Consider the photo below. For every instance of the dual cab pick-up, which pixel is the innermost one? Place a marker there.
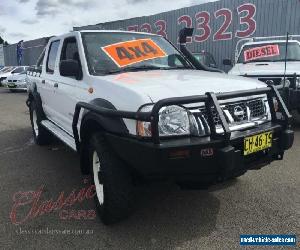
(273, 60)
(135, 107)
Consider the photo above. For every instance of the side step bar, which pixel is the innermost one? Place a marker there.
(59, 133)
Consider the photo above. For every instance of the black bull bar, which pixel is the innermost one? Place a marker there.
(210, 99)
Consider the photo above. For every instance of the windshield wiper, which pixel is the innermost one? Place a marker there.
(135, 68)
(177, 67)
(259, 61)
(140, 68)
(289, 60)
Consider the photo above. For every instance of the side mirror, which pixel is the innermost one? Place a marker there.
(227, 62)
(70, 68)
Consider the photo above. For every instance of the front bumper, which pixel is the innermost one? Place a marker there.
(200, 159)
(2, 79)
(292, 97)
(15, 86)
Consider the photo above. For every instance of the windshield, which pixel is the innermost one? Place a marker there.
(271, 52)
(8, 69)
(206, 59)
(108, 53)
(18, 70)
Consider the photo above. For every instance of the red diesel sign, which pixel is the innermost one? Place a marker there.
(261, 52)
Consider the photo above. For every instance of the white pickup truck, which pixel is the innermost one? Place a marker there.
(135, 107)
(273, 60)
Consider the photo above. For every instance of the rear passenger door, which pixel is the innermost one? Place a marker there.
(47, 85)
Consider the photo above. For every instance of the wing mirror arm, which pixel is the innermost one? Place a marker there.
(227, 62)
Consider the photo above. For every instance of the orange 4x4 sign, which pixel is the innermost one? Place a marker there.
(130, 52)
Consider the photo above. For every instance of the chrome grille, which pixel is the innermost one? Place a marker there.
(238, 112)
(257, 108)
(278, 80)
(272, 81)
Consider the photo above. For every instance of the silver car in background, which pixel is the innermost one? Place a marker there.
(17, 81)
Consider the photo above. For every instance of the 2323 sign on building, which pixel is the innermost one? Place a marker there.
(202, 22)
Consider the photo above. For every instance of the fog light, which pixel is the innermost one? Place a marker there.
(286, 82)
(276, 104)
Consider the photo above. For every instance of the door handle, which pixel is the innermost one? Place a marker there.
(56, 85)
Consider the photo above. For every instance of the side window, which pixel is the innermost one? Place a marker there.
(18, 70)
(70, 50)
(52, 57)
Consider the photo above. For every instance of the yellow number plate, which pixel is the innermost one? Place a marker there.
(257, 143)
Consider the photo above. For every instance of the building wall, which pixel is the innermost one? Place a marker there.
(1, 55)
(270, 17)
(31, 51)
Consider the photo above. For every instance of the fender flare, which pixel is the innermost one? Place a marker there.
(33, 95)
(108, 124)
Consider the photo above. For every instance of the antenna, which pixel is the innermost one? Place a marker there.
(285, 59)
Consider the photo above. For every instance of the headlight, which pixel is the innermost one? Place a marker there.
(173, 121)
(285, 83)
(298, 82)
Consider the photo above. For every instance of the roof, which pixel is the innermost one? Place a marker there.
(271, 41)
(116, 31)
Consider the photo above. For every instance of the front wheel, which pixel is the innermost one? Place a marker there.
(296, 116)
(112, 180)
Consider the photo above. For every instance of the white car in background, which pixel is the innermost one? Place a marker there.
(12, 70)
(17, 82)
(5, 72)
(273, 60)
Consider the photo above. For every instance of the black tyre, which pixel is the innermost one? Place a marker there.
(113, 181)
(41, 135)
(296, 116)
(193, 185)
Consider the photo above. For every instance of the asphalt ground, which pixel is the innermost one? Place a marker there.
(266, 201)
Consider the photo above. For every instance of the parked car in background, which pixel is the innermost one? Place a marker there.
(264, 59)
(4, 73)
(11, 71)
(16, 82)
(2, 69)
(206, 58)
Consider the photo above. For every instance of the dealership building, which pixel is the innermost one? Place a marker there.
(218, 26)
